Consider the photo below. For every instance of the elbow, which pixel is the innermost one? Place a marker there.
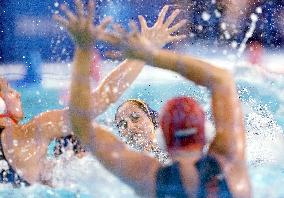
(222, 78)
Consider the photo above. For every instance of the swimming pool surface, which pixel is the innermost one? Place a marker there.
(263, 106)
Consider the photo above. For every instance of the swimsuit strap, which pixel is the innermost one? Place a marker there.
(212, 180)
(8, 115)
(169, 182)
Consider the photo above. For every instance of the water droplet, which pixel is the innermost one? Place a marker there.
(200, 27)
(205, 16)
(253, 17)
(227, 35)
(217, 13)
(15, 142)
(223, 26)
(258, 10)
(234, 44)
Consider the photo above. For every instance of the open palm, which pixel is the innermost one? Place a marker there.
(161, 33)
(81, 27)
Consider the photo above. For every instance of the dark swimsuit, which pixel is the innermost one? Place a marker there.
(211, 180)
(68, 141)
(8, 175)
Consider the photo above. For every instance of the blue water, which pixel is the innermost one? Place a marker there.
(263, 106)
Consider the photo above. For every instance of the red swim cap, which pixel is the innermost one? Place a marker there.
(182, 122)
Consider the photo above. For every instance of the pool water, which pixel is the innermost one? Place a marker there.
(263, 106)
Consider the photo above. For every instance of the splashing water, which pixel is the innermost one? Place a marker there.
(265, 140)
(87, 170)
(248, 34)
(86, 177)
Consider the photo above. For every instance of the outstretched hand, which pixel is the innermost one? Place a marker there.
(161, 33)
(81, 27)
(134, 42)
(131, 44)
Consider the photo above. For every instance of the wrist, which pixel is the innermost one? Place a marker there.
(147, 54)
(83, 42)
(84, 48)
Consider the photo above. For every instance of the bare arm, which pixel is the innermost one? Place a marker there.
(12, 100)
(114, 85)
(228, 117)
(118, 80)
(229, 143)
(84, 34)
(26, 146)
(112, 152)
(80, 115)
(126, 164)
(50, 125)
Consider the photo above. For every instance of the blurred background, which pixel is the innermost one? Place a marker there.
(27, 26)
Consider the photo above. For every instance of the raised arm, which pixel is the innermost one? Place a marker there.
(103, 144)
(118, 80)
(228, 117)
(124, 163)
(114, 85)
(226, 108)
(26, 146)
(84, 34)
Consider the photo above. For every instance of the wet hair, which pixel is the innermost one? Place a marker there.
(182, 122)
(152, 114)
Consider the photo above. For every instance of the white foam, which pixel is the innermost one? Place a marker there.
(88, 170)
(265, 139)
